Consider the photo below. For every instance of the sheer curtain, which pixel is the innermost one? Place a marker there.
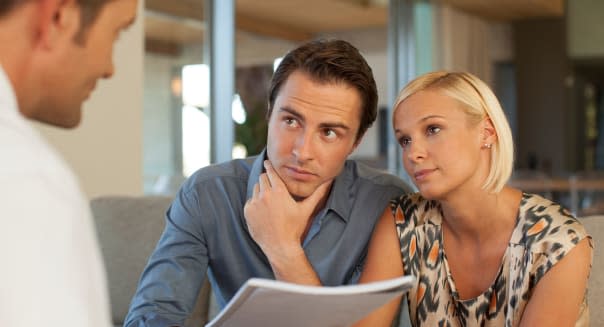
(464, 42)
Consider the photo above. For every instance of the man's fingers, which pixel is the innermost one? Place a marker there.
(256, 190)
(264, 183)
(273, 177)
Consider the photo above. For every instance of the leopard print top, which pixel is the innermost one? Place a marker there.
(544, 233)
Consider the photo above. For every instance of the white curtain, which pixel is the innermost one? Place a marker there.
(464, 42)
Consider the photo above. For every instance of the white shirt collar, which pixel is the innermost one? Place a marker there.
(8, 99)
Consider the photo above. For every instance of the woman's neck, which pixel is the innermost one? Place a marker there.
(479, 216)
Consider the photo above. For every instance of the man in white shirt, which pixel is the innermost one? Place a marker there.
(52, 52)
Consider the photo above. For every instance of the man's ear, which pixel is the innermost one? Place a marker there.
(58, 21)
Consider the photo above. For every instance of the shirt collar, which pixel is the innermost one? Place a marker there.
(340, 198)
(257, 169)
(8, 99)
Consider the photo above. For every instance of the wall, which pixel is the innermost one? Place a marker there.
(585, 28)
(253, 50)
(544, 117)
(106, 150)
(159, 155)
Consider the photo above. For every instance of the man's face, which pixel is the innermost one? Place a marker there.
(78, 66)
(312, 129)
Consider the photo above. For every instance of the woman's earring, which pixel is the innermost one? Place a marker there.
(487, 145)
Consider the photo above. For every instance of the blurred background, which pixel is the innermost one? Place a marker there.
(192, 77)
(543, 58)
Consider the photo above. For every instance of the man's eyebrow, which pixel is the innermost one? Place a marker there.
(299, 116)
(292, 112)
(334, 125)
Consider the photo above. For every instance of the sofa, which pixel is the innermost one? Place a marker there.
(129, 227)
(128, 230)
(595, 227)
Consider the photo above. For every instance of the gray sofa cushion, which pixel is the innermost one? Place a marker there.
(128, 230)
(595, 227)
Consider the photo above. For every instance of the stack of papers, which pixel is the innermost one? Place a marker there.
(264, 303)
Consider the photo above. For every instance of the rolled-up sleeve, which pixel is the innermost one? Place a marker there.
(174, 274)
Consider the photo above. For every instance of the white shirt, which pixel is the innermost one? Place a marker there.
(51, 269)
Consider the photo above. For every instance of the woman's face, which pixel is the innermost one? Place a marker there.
(442, 150)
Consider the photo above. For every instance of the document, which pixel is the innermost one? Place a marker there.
(265, 303)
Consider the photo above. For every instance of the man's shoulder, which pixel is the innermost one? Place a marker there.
(19, 145)
(25, 152)
(234, 171)
(365, 174)
(27, 159)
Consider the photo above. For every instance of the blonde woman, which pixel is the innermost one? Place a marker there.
(483, 253)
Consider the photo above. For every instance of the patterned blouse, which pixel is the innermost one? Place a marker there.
(544, 233)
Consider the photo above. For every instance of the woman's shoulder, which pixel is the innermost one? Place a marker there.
(414, 207)
(411, 202)
(407, 198)
(546, 232)
(546, 227)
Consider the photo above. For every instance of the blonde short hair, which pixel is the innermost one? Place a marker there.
(479, 102)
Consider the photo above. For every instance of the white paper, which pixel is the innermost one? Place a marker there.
(264, 303)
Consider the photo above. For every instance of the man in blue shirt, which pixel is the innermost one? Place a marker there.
(298, 212)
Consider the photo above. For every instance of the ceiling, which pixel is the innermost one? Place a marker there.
(171, 24)
(511, 9)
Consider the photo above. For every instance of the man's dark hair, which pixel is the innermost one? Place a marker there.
(89, 11)
(330, 61)
(7, 5)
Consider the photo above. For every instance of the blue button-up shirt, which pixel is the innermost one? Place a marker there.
(206, 232)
